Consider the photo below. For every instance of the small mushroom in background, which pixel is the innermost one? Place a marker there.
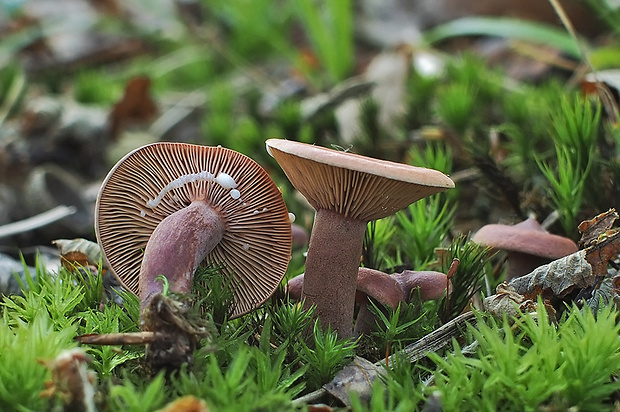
(347, 191)
(166, 208)
(391, 290)
(527, 244)
(300, 236)
(294, 287)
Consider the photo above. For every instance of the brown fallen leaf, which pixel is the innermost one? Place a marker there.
(78, 252)
(591, 229)
(136, 105)
(605, 248)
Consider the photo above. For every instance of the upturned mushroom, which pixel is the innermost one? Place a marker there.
(347, 191)
(166, 208)
(527, 244)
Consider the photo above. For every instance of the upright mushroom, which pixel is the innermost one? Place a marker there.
(167, 208)
(347, 191)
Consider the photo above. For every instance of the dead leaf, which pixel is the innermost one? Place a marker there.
(136, 105)
(78, 252)
(591, 229)
(357, 377)
(606, 247)
(557, 278)
(507, 301)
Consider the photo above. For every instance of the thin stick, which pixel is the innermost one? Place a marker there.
(37, 221)
(134, 338)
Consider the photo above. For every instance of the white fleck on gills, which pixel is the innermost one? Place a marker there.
(222, 179)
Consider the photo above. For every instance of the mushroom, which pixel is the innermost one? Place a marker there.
(347, 191)
(391, 290)
(380, 287)
(294, 287)
(528, 245)
(166, 208)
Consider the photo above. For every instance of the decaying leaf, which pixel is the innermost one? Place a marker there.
(78, 252)
(357, 377)
(592, 229)
(603, 250)
(507, 301)
(557, 278)
(580, 270)
(136, 105)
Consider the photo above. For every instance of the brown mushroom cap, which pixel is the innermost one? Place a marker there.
(294, 287)
(355, 186)
(256, 244)
(384, 288)
(526, 237)
(432, 285)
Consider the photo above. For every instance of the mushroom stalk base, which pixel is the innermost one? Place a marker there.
(331, 269)
(177, 246)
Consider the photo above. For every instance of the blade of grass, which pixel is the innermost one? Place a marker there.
(505, 27)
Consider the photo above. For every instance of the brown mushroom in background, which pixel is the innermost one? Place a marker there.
(391, 290)
(347, 191)
(167, 208)
(527, 244)
(294, 287)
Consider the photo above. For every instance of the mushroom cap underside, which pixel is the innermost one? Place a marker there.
(525, 238)
(355, 186)
(156, 180)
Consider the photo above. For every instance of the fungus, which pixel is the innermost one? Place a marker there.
(527, 244)
(391, 290)
(380, 287)
(347, 191)
(166, 208)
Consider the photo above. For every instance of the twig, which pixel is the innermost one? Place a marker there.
(43, 219)
(432, 342)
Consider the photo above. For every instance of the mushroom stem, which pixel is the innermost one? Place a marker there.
(333, 259)
(177, 246)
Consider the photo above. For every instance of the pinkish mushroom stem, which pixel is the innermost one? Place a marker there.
(177, 246)
(333, 259)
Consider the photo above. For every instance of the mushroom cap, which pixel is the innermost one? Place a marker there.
(527, 237)
(256, 245)
(295, 286)
(380, 286)
(432, 284)
(355, 186)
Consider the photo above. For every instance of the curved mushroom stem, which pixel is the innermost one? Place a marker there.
(177, 246)
(332, 262)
